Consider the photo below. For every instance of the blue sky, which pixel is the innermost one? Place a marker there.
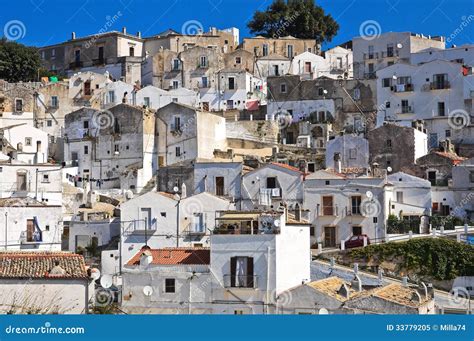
(51, 21)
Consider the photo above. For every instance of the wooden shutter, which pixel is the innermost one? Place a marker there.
(250, 281)
(233, 267)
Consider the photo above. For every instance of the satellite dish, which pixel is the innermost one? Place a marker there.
(325, 91)
(147, 290)
(389, 169)
(399, 45)
(323, 311)
(106, 281)
(369, 194)
(276, 222)
(175, 189)
(95, 274)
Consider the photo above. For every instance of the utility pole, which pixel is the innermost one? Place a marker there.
(36, 185)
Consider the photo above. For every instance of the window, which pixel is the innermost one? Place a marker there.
(388, 143)
(101, 54)
(241, 272)
(170, 285)
(433, 140)
(77, 56)
(271, 182)
(27, 141)
(45, 177)
(132, 51)
(357, 94)
(356, 201)
(231, 83)
(307, 67)
(49, 123)
(111, 96)
(219, 185)
(174, 100)
(386, 82)
(276, 70)
(146, 101)
(353, 153)
(399, 197)
(176, 64)
(54, 101)
(85, 124)
(320, 91)
(471, 176)
(238, 60)
(178, 151)
(371, 68)
(371, 51)
(405, 107)
(283, 88)
(238, 312)
(328, 208)
(447, 133)
(290, 51)
(339, 62)
(116, 148)
(230, 104)
(203, 61)
(389, 50)
(175, 84)
(441, 109)
(387, 105)
(356, 230)
(176, 126)
(18, 105)
(311, 167)
(265, 50)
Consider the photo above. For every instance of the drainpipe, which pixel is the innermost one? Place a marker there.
(36, 185)
(6, 230)
(86, 307)
(268, 279)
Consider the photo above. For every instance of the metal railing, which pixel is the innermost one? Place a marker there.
(240, 281)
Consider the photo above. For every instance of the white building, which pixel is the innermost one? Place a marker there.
(372, 53)
(272, 65)
(30, 225)
(151, 219)
(221, 178)
(270, 185)
(432, 91)
(309, 65)
(24, 143)
(463, 54)
(340, 63)
(254, 256)
(44, 283)
(341, 207)
(352, 151)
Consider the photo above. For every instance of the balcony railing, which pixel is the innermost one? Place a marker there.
(402, 87)
(329, 210)
(370, 75)
(176, 128)
(237, 229)
(240, 281)
(99, 61)
(35, 237)
(76, 64)
(407, 110)
(440, 85)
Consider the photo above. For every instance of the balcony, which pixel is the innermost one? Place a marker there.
(240, 281)
(371, 56)
(402, 88)
(196, 229)
(99, 61)
(76, 65)
(176, 128)
(407, 110)
(436, 86)
(31, 238)
(247, 223)
(370, 75)
(328, 211)
(389, 54)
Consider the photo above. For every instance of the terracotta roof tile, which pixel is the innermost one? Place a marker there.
(38, 264)
(283, 165)
(175, 256)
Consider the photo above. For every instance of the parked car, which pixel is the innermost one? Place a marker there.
(356, 241)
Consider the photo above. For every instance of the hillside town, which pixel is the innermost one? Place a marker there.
(203, 173)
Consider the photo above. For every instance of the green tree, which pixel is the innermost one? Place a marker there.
(299, 18)
(18, 62)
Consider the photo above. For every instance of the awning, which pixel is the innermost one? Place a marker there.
(236, 216)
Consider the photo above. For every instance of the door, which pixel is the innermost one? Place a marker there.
(276, 71)
(219, 185)
(30, 230)
(307, 67)
(21, 181)
(87, 88)
(145, 218)
(432, 177)
(205, 106)
(329, 236)
(327, 206)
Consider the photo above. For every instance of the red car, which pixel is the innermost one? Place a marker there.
(356, 241)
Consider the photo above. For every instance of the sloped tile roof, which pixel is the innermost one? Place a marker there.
(175, 256)
(38, 264)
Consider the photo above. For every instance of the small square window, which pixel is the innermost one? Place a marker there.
(28, 141)
(163, 214)
(283, 88)
(46, 227)
(49, 123)
(170, 285)
(328, 182)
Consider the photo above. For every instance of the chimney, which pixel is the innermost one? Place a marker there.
(356, 283)
(405, 281)
(297, 212)
(423, 290)
(139, 34)
(124, 30)
(344, 291)
(356, 268)
(73, 35)
(337, 163)
(183, 191)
